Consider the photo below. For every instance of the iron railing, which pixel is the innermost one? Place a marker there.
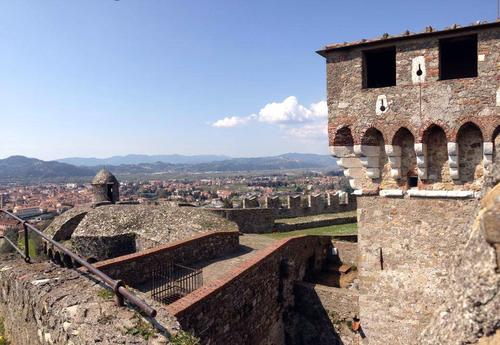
(121, 292)
(171, 282)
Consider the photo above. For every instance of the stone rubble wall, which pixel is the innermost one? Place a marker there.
(134, 269)
(43, 304)
(254, 303)
(283, 227)
(348, 252)
(416, 240)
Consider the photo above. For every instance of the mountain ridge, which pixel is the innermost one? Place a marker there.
(21, 169)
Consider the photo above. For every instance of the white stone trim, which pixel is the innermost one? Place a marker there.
(366, 150)
(453, 160)
(391, 193)
(381, 100)
(370, 162)
(415, 62)
(393, 153)
(421, 153)
(487, 153)
(341, 151)
(441, 193)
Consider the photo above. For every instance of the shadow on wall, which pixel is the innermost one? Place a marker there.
(312, 324)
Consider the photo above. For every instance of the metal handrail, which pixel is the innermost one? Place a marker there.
(118, 286)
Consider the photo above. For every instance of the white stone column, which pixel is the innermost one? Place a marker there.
(487, 153)
(453, 160)
(349, 163)
(421, 153)
(369, 158)
(393, 152)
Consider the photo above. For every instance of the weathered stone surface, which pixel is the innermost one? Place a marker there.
(406, 247)
(417, 103)
(45, 304)
(471, 310)
(111, 230)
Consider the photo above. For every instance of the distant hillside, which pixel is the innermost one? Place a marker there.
(20, 168)
(139, 159)
(282, 162)
(23, 169)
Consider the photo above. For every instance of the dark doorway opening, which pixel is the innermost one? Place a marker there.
(458, 57)
(412, 181)
(110, 193)
(379, 67)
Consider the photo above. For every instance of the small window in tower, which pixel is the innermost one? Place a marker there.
(458, 57)
(379, 67)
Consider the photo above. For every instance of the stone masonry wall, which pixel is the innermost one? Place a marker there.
(250, 220)
(406, 246)
(415, 103)
(43, 304)
(133, 269)
(253, 303)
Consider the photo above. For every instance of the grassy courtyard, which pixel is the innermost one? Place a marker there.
(342, 229)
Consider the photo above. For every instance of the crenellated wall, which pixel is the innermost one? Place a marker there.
(261, 219)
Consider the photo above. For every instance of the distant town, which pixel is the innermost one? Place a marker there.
(43, 201)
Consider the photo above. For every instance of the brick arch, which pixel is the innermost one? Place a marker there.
(427, 125)
(367, 136)
(340, 135)
(395, 130)
(464, 122)
(495, 133)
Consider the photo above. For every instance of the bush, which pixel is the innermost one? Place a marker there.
(184, 338)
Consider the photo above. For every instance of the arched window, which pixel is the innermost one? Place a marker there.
(470, 151)
(343, 137)
(405, 140)
(437, 154)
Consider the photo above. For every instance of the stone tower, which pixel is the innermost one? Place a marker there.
(105, 187)
(414, 121)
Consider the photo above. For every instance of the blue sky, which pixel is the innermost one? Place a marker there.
(236, 77)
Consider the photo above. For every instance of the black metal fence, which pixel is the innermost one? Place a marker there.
(171, 282)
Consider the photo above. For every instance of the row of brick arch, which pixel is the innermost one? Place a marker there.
(344, 136)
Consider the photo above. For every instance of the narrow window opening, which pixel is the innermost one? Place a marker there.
(379, 67)
(412, 181)
(110, 193)
(458, 57)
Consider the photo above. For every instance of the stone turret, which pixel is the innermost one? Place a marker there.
(105, 187)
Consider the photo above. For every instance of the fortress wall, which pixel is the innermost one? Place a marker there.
(316, 204)
(252, 304)
(416, 240)
(249, 220)
(283, 227)
(133, 268)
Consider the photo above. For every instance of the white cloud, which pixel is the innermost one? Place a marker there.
(309, 131)
(296, 120)
(232, 121)
(290, 111)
